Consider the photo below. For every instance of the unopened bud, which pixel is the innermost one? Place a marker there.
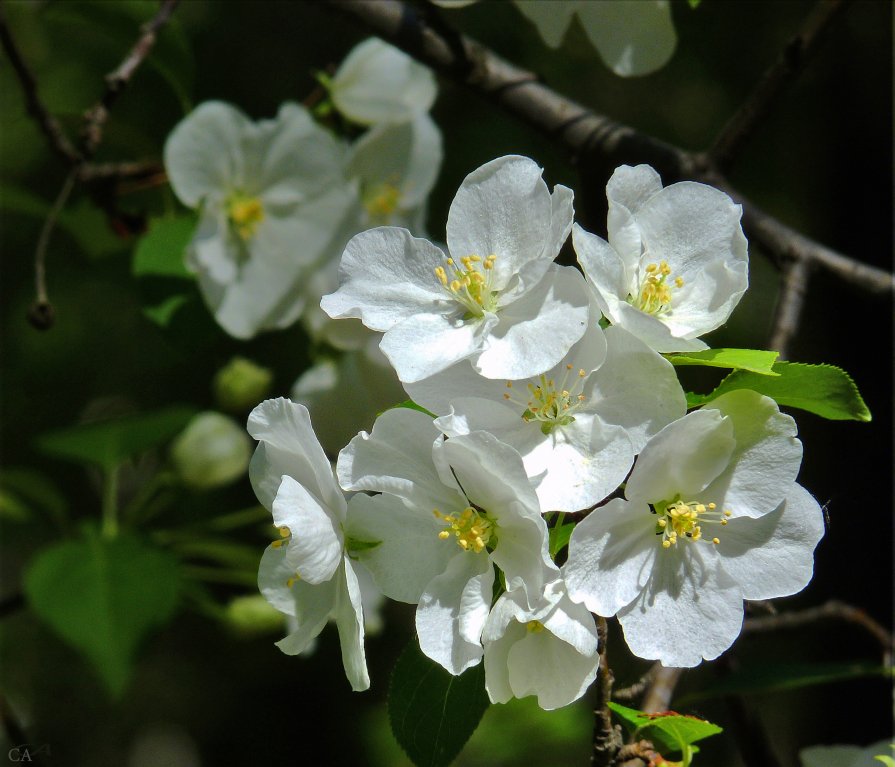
(212, 451)
(241, 384)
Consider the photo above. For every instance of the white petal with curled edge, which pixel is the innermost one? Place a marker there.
(683, 458)
(773, 556)
(611, 554)
(203, 154)
(288, 445)
(377, 82)
(627, 190)
(766, 459)
(313, 606)
(690, 609)
(349, 617)
(604, 269)
(314, 549)
(503, 208)
(439, 614)
(387, 276)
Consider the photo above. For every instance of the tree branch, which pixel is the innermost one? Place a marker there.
(740, 128)
(661, 690)
(606, 738)
(588, 137)
(634, 691)
(832, 610)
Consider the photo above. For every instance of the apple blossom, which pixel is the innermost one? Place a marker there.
(676, 261)
(577, 426)
(447, 510)
(306, 573)
(677, 588)
(498, 300)
(549, 650)
(272, 201)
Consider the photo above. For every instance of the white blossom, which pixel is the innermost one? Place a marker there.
(498, 299)
(272, 201)
(676, 262)
(306, 573)
(548, 650)
(378, 83)
(446, 510)
(577, 426)
(712, 516)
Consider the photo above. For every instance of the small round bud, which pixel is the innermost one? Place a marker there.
(241, 384)
(212, 451)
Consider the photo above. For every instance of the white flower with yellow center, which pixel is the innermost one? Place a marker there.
(676, 262)
(497, 300)
(272, 200)
(378, 83)
(577, 426)
(712, 516)
(447, 511)
(306, 573)
(548, 650)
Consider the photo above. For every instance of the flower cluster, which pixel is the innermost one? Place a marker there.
(542, 390)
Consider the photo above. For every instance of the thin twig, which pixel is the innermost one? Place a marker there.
(832, 610)
(41, 314)
(661, 690)
(793, 288)
(634, 691)
(753, 111)
(587, 136)
(48, 124)
(96, 117)
(607, 737)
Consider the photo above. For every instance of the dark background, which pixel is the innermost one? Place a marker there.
(821, 162)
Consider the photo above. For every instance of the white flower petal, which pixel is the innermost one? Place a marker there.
(313, 606)
(635, 388)
(203, 153)
(439, 614)
(551, 18)
(604, 269)
(611, 555)
(289, 446)
(627, 190)
(386, 276)
(396, 458)
(537, 330)
(315, 547)
(273, 573)
(410, 553)
(773, 556)
(349, 618)
(683, 458)
(766, 459)
(689, 611)
(377, 82)
(503, 208)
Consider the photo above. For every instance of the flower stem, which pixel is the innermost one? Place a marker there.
(110, 504)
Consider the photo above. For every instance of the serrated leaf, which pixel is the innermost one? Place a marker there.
(668, 730)
(160, 252)
(770, 677)
(102, 597)
(433, 713)
(108, 443)
(755, 360)
(824, 390)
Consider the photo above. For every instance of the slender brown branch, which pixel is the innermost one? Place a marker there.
(661, 691)
(48, 124)
(634, 691)
(97, 116)
(742, 125)
(591, 139)
(793, 288)
(832, 610)
(607, 738)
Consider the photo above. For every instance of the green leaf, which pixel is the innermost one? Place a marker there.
(770, 677)
(694, 4)
(756, 360)
(824, 390)
(162, 314)
(433, 713)
(108, 443)
(668, 730)
(160, 252)
(102, 597)
(24, 492)
(559, 537)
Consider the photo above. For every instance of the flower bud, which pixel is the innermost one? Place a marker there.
(241, 384)
(212, 451)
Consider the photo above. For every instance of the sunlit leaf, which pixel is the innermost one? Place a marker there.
(755, 360)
